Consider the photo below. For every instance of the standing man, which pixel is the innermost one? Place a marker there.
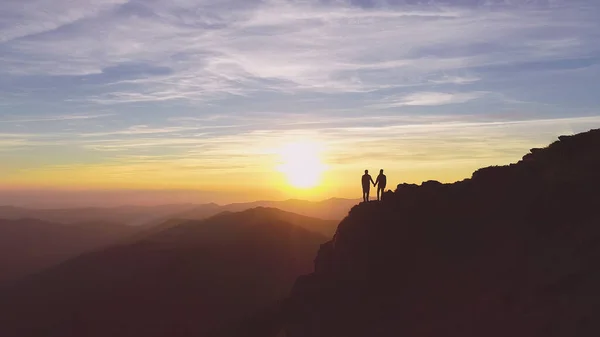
(366, 185)
(380, 183)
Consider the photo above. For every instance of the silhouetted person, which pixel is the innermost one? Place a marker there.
(366, 185)
(380, 183)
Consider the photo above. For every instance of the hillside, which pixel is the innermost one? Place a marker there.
(29, 245)
(513, 251)
(191, 279)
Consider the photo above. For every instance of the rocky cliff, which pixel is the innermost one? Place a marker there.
(513, 251)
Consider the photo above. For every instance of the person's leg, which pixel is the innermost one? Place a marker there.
(379, 193)
(368, 192)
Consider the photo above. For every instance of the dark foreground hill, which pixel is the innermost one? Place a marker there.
(192, 279)
(29, 245)
(514, 251)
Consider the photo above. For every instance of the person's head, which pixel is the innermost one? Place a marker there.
(366, 171)
(381, 171)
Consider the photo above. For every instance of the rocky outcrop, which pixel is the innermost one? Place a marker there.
(513, 251)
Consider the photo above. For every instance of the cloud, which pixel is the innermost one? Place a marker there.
(22, 18)
(140, 130)
(218, 85)
(215, 50)
(455, 145)
(54, 118)
(9, 144)
(455, 80)
(429, 99)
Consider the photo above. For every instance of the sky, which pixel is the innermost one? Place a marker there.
(219, 97)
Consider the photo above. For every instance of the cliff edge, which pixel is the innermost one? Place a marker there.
(513, 251)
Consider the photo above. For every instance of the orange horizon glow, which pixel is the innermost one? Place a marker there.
(294, 166)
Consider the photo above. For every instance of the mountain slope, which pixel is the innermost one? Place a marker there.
(189, 280)
(30, 245)
(513, 251)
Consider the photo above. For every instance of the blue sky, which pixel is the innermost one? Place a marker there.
(105, 92)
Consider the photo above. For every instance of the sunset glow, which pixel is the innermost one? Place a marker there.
(246, 100)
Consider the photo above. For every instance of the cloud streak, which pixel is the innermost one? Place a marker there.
(54, 118)
(23, 18)
(430, 99)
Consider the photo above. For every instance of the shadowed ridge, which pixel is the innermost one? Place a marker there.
(512, 251)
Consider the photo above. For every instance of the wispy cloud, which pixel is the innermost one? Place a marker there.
(23, 18)
(455, 80)
(468, 143)
(52, 118)
(429, 99)
(140, 130)
(284, 46)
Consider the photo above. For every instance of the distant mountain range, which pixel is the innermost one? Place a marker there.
(31, 245)
(331, 209)
(34, 239)
(181, 278)
(129, 215)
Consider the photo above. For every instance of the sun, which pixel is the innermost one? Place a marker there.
(301, 164)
